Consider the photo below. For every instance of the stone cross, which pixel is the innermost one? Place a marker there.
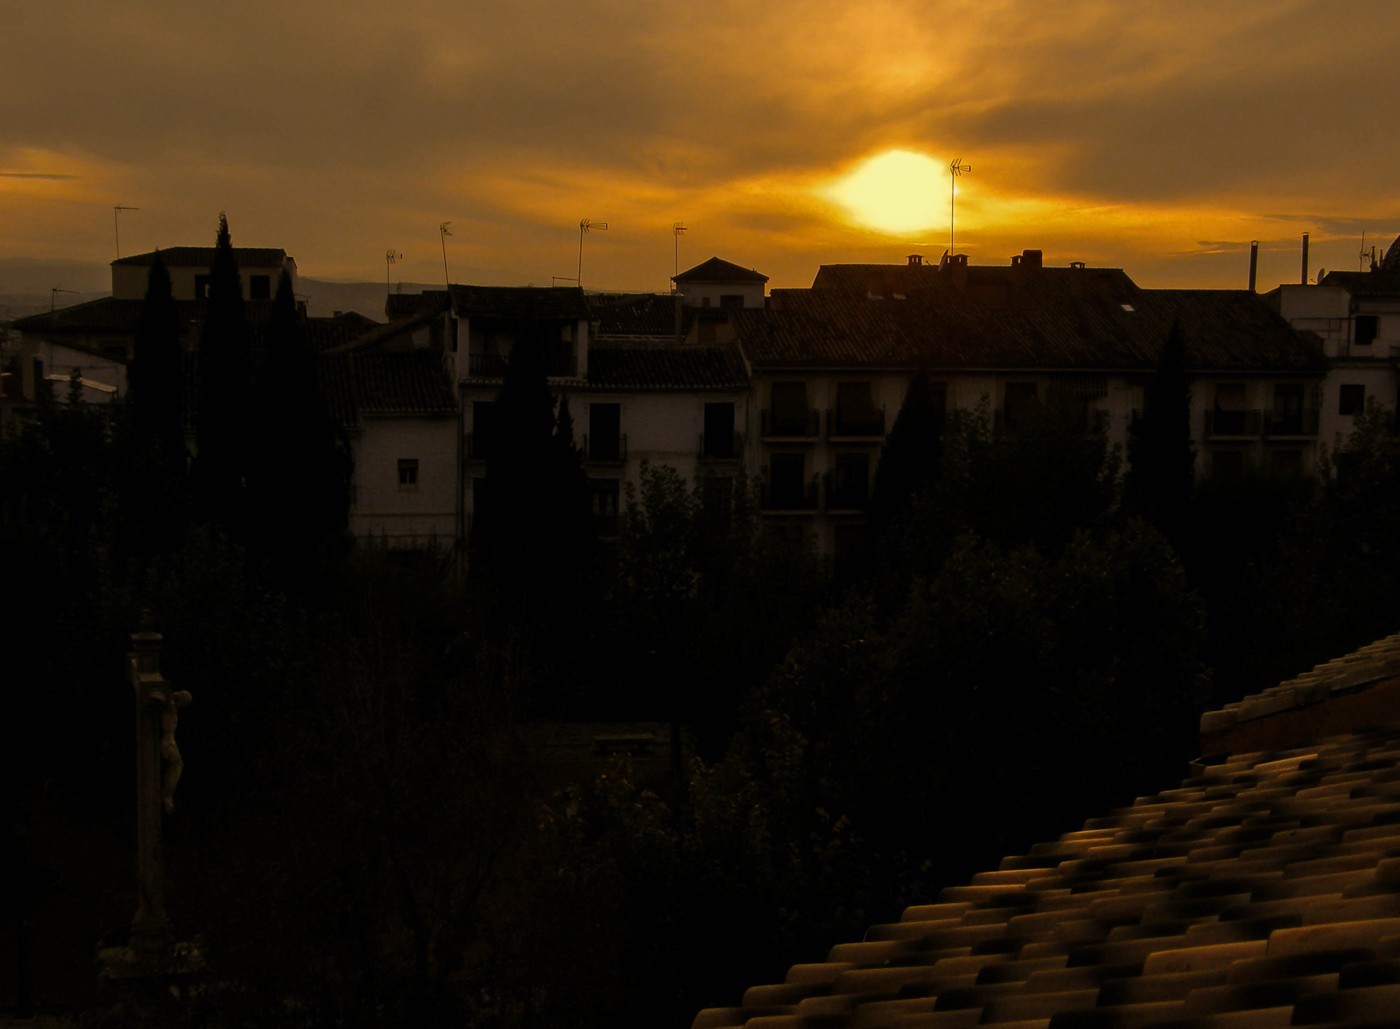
(158, 769)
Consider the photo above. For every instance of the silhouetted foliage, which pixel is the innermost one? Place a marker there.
(225, 389)
(156, 386)
(299, 471)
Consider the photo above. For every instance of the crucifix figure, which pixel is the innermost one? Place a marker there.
(158, 770)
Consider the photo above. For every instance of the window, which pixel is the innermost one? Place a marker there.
(855, 411)
(1352, 399)
(790, 415)
(1230, 418)
(787, 479)
(408, 475)
(201, 287)
(1022, 403)
(1287, 416)
(850, 484)
(1367, 329)
(1287, 464)
(604, 441)
(259, 287)
(729, 301)
(718, 442)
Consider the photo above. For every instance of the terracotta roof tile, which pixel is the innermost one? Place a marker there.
(1260, 891)
(617, 365)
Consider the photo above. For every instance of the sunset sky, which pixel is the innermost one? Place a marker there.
(1160, 137)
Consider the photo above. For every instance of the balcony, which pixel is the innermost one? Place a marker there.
(605, 449)
(870, 425)
(787, 425)
(846, 493)
(1233, 424)
(721, 446)
(1290, 423)
(789, 496)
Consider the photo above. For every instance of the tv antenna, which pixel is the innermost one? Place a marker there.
(955, 169)
(53, 296)
(117, 225)
(443, 232)
(391, 256)
(677, 230)
(584, 227)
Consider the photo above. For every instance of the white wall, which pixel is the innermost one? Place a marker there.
(406, 517)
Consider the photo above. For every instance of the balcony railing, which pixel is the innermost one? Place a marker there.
(845, 426)
(721, 446)
(789, 496)
(1233, 423)
(1291, 423)
(845, 493)
(806, 425)
(605, 449)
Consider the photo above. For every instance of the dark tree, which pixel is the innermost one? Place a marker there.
(225, 381)
(910, 457)
(1162, 461)
(298, 474)
(156, 390)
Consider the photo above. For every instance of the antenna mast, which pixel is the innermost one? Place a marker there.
(443, 233)
(391, 256)
(117, 226)
(955, 169)
(584, 227)
(676, 230)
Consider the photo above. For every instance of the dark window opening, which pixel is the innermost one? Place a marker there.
(604, 441)
(790, 415)
(1367, 329)
(1352, 399)
(729, 301)
(856, 414)
(605, 493)
(718, 442)
(201, 287)
(1022, 402)
(408, 474)
(482, 440)
(850, 482)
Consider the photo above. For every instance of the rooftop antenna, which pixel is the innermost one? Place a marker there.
(391, 256)
(955, 169)
(677, 230)
(1361, 257)
(443, 233)
(53, 296)
(584, 227)
(117, 225)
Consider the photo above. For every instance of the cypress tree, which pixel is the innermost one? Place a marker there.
(298, 481)
(910, 456)
(225, 380)
(1162, 460)
(156, 388)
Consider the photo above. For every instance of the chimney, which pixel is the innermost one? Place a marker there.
(1254, 264)
(1305, 259)
(1032, 260)
(955, 268)
(915, 260)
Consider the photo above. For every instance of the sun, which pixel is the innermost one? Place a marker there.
(896, 191)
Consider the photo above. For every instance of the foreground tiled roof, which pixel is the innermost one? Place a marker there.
(717, 269)
(632, 315)
(650, 367)
(203, 257)
(1262, 891)
(370, 383)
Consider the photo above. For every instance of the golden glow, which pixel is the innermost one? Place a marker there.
(896, 191)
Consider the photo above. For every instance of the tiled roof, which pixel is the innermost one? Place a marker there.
(1045, 322)
(341, 330)
(1383, 283)
(651, 367)
(107, 314)
(520, 301)
(203, 257)
(885, 279)
(1262, 891)
(718, 270)
(408, 305)
(651, 315)
(403, 382)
